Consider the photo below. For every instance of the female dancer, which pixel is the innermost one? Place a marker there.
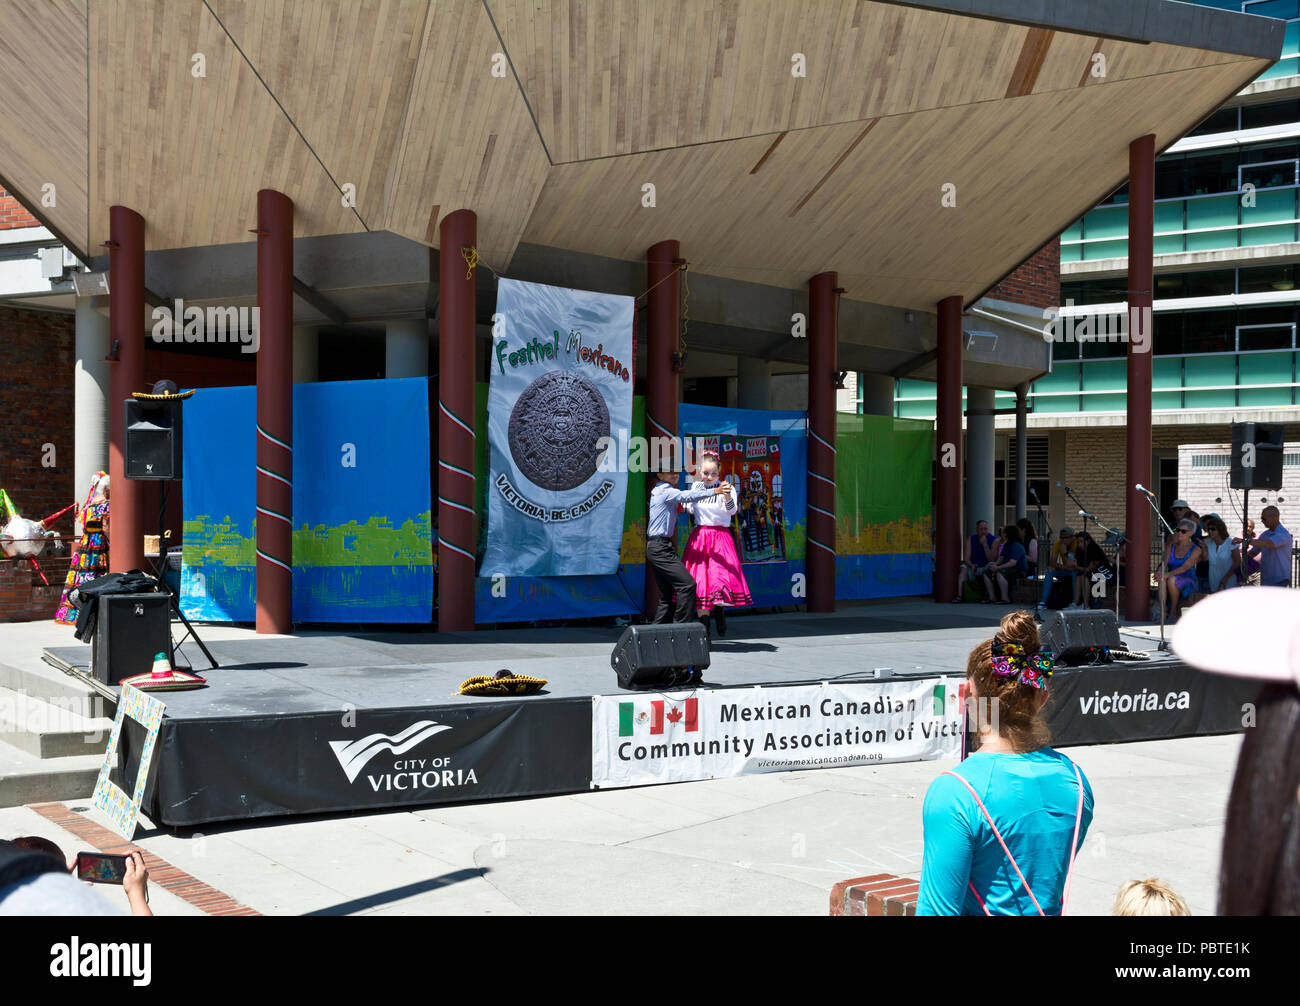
(91, 558)
(710, 555)
(1002, 829)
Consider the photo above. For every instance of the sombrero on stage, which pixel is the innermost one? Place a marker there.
(504, 682)
(163, 391)
(164, 678)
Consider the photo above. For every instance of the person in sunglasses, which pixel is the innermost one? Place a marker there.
(1180, 566)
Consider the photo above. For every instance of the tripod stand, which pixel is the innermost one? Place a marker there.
(160, 571)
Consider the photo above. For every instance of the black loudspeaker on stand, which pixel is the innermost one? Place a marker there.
(153, 453)
(1256, 456)
(650, 656)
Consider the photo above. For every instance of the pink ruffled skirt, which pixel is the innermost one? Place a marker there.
(711, 559)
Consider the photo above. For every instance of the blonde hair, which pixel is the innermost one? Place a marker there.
(1148, 897)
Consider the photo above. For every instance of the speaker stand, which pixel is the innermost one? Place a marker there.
(160, 571)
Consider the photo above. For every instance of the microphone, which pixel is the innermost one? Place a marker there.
(1033, 495)
(1144, 490)
(1084, 513)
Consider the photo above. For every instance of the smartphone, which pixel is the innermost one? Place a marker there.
(101, 867)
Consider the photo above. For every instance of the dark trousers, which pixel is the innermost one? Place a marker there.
(670, 575)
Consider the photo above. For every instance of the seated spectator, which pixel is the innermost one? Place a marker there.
(1224, 557)
(135, 884)
(1260, 864)
(1148, 897)
(1013, 803)
(1007, 568)
(1090, 560)
(1029, 538)
(978, 552)
(1061, 565)
(1180, 565)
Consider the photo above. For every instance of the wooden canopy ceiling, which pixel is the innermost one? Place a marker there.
(762, 175)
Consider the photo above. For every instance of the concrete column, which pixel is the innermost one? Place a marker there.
(406, 348)
(979, 456)
(306, 354)
(126, 327)
(275, 413)
(823, 362)
(458, 519)
(1022, 448)
(753, 383)
(947, 433)
(877, 394)
(1137, 513)
(90, 398)
(663, 325)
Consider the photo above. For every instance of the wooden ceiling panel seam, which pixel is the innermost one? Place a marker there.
(416, 52)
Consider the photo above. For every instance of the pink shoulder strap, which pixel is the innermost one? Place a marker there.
(1074, 844)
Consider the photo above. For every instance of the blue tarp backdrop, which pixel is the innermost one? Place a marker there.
(362, 545)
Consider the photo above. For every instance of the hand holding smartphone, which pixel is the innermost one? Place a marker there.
(101, 867)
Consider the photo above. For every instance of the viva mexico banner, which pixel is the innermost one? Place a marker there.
(561, 390)
(705, 734)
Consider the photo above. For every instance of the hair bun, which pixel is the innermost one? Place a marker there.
(1020, 627)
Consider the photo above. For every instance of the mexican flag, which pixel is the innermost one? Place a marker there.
(662, 715)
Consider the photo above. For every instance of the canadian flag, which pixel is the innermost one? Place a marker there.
(663, 715)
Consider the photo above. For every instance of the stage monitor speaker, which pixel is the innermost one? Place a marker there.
(646, 656)
(1260, 443)
(153, 439)
(130, 630)
(1072, 634)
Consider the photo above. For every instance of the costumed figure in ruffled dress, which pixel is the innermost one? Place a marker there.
(710, 555)
(91, 558)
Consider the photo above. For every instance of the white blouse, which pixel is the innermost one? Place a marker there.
(716, 511)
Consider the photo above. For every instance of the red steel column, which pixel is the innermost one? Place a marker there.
(274, 412)
(948, 453)
(1137, 512)
(663, 327)
(457, 518)
(126, 330)
(823, 362)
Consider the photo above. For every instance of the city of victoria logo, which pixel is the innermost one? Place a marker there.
(353, 755)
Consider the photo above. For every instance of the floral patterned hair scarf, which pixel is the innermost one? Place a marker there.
(1011, 660)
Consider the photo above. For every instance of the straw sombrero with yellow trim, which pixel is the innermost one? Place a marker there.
(504, 682)
(163, 391)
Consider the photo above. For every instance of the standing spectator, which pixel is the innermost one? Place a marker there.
(1249, 573)
(1029, 538)
(978, 552)
(1007, 568)
(1260, 871)
(1273, 547)
(1224, 558)
(1013, 803)
(1180, 565)
(1179, 511)
(1061, 565)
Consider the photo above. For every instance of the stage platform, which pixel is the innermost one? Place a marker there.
(327, 721)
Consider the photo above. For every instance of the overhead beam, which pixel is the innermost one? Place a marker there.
(915, 363)
(319, 302)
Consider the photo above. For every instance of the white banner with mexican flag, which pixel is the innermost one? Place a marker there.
(715, 733)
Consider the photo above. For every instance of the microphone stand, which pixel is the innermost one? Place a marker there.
(1161, 592)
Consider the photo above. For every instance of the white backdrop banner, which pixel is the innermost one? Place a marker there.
(561, 383)
(713, 733)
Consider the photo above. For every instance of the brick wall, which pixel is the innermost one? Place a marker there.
(23, 596)
(880, 894)
(1037, 282)
(1201, 486)
(36, 394)
(12, 213)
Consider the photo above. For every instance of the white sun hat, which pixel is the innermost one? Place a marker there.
(1248, 632)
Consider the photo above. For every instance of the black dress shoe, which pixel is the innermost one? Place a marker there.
(721, 615)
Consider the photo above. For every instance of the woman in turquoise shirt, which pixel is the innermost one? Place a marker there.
(1000, 829)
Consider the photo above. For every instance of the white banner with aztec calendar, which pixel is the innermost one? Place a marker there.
(709, 733)
(560, 394)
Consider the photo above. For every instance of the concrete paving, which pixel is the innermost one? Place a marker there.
(756, 845)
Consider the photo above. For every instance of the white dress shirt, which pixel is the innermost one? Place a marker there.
(716, 511)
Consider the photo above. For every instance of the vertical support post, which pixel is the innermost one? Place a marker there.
(947, 507)
(823, 362)
(126, 330)
(980, 449)
(663, 328)
(1141, 229)
(90, 397)
(1022, 446)
(457, 517)
(274, 412)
